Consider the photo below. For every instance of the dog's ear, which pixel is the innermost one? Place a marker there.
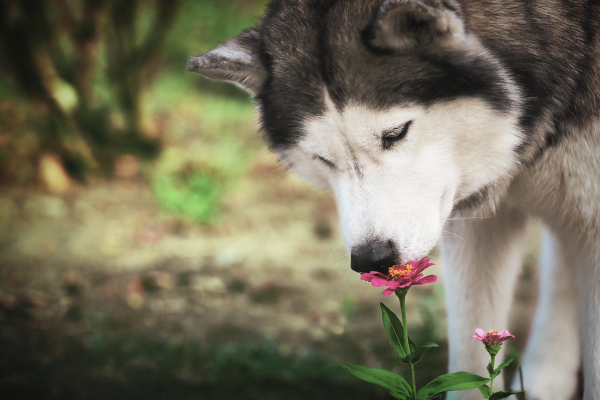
(407, 24)
(235, 60)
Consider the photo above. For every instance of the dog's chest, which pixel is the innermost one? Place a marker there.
(563, 187)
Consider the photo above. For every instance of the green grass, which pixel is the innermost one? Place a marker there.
(120, 364)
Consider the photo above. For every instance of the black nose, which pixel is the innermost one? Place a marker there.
(373, 256)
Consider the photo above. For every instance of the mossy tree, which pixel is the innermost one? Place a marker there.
(83, 63)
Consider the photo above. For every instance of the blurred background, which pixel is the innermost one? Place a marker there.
(150, 246)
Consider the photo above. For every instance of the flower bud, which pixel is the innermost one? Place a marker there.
(493, 348)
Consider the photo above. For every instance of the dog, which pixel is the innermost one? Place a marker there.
(454, 119)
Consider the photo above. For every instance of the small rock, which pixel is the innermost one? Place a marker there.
(237, 286)
(337, 329)
(209, 285)
(227, 257)
(135, 300)
(127, 166)
(317, 333)
(269, 293)
(157, 280)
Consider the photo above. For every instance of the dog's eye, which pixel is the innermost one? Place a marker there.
(391, 136)
(324, 161)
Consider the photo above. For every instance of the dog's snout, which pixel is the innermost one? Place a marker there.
(373, 256)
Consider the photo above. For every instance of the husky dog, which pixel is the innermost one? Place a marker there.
(468, 117)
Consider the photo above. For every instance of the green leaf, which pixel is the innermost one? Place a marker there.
(485, 391)
(416, 355)
(401, 395)
(503, 365)
(451, 382)
(503, 395)
(393, 328)
(388, 379)
(490, 368)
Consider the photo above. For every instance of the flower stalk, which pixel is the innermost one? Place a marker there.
(493, 343)
(399, 279)
(402, 296)
(492, 376)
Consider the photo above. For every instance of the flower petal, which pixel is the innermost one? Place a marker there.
(421, 264)
(506, 334)
(393, 285)
(427, 279)
(480, 332)
(366, 277)
(379, 274)
(415, 278)
(379, 282)
(387, 292)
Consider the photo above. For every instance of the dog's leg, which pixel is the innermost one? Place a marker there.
(587, 267)
(552, 355)
(482, 259)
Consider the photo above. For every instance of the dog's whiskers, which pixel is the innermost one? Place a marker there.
(458, 236)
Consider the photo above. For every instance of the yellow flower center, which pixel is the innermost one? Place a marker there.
(491, 333)
(399, 271)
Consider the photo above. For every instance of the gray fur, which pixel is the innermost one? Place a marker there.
(536, 61)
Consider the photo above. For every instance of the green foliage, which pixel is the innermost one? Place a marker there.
(505, 364)
(263, 362)
(84, 73)
(77, 66)
(393, 328)
(450, 382)
(494, 372)
(398, 386)
(387, 379)
(203, 24)
(194, 193)
(486, 391)
(416, 355)
(193, 185)
(109, 363)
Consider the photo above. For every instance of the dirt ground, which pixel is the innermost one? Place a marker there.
(104, 295)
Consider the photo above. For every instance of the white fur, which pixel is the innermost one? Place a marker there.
(406, 194)
(451, 150)
(563, 190)
(482, 259)
(551, 333)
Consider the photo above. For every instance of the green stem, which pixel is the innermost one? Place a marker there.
(402, 297)
(492, 375)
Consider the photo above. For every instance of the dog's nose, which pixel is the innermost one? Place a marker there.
(373, 256)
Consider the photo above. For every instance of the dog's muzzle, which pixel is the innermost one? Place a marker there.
(373, 256)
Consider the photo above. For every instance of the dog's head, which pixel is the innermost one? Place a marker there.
(394, 106)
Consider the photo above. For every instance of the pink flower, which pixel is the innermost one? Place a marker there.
(492, 337)
(401, 276)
